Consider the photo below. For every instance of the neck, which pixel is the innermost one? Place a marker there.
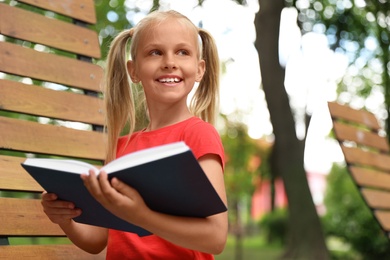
(157, 122)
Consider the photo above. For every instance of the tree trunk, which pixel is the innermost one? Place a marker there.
(238, 232)
(305, 236)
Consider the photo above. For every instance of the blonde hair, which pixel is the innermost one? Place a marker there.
(121, 97)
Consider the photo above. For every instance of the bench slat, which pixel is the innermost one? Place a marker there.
(13, 177)
(377, 199)
(384, 218)
(49, 67)
(368, 161)
(83, 10)
(346, 132)
(33, 137)
(47, 252)
(35, 100)
(356, 156)
(72, 40)
(370, 178)
(33, 27)
(357, 116)
(25, 217)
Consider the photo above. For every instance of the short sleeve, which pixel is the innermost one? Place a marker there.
(203, 139)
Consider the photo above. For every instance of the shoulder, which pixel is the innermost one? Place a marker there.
(196, 125)
(199, 129)
(203, 138)
(123, 144)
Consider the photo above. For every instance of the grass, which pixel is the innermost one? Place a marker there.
(254, 247)
(38, 240)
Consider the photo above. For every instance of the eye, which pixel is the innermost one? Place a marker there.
(155, 52)
(183, 52)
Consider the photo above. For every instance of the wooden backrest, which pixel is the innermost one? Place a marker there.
(366, 152)
(50, 105)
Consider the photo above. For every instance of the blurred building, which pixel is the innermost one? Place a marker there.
(261, 199)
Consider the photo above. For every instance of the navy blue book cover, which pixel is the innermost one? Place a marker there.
(174, 185)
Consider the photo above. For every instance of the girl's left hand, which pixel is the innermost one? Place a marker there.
(116, 196)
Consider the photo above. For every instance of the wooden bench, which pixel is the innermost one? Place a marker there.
(50, 105)
(366, 151)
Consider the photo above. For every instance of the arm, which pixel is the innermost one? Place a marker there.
(89, 238)
(201, 234)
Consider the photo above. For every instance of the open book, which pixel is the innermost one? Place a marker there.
(168, 177)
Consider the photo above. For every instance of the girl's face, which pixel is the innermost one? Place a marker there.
(167, 63)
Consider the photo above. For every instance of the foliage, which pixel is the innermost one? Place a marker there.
(360, 31)
(274, 226)
(348, 217)
(241, 154)
(111, 18)
(255, 247)
(243, 158)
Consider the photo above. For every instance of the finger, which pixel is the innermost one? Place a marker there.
(62, 217)
(104, 182)
(58, 204)
(110, 193)
(50, 200)
(123, 188)
(91, 183)
(62, 211)
(49, 196)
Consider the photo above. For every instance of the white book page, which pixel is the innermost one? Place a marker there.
(73, 166)
(126, 161)
(144, 156)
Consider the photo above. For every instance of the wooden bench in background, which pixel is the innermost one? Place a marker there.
(46, 75)
(366, 152)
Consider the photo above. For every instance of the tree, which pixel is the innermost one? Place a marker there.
(241, 166)
(360, 30)
(108, 23)
(306, 239)
(349, 218)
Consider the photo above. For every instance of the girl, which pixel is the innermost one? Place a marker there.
(168, 56)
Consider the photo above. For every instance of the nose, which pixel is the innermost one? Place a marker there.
(169, 62)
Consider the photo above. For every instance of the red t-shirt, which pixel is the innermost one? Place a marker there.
(203, 139)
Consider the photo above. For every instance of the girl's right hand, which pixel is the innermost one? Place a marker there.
(58, 211)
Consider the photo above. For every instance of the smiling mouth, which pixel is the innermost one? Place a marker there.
(170, 80)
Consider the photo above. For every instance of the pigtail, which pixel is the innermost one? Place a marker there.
(118, 94)
(206, 99)
(123, 106)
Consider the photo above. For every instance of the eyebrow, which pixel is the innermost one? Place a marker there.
(157, 45)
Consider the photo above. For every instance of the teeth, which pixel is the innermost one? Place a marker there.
(169, 80)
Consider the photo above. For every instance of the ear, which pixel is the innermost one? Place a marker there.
(201, 70)
(131, 71)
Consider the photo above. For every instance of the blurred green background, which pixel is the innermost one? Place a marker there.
(275, 210)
